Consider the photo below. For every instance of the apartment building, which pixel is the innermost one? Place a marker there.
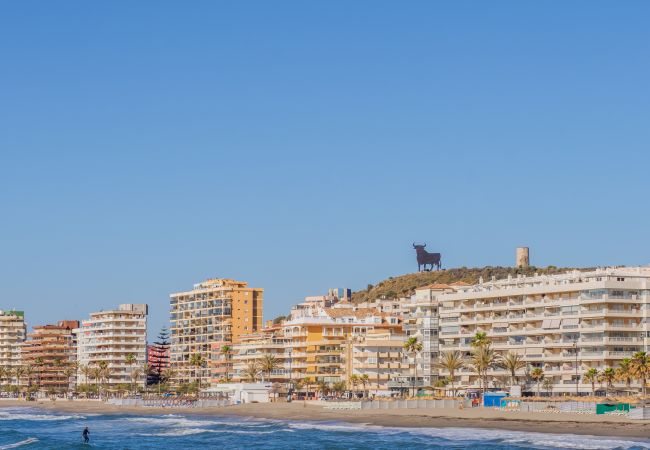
(51, 351)
(564, 324)
(252, 349)
(379, 355)
(12, 335)
(214, 313)
(315, 343)
(112, 336)
(421, 320)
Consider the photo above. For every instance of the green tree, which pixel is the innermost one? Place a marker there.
(197, 362)
(480, 339)
(537, 374)
(365, 381)
(268, 364)
(483, 359)
(413, 346)
(547, 384)
(640, 369)
(591, 376)
(354, 382)
(608, 376)
(451, 362)
(226, 351)
(512, 362)
(624, 373)
(252, 371)
(130, 360)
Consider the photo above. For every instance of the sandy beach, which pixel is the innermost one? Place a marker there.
(471, 418)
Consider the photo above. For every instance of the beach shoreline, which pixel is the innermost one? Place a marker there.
(485, 418)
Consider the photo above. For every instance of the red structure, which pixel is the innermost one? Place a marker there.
(157, 357)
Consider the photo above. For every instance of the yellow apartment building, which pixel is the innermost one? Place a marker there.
(214, 313)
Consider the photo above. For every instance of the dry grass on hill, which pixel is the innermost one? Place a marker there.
(405, 285)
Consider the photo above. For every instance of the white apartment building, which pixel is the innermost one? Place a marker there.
(564, 324)
(422, 321)
(12, 336)
(110, 336)
(379, 355)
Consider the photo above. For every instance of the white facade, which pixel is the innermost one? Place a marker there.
(593, 318)
(110, 336)
(12, 335)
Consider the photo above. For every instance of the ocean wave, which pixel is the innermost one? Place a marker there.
(39, 417)
(27, 441)
(519, 438)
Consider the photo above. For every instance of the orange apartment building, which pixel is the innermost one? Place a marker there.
(216, 312)
(50, 350)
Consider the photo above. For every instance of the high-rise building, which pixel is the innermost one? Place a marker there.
(422, 321)
(114, 336)
(50, 350)
(564, 324)
(214, 313)
(12, 335)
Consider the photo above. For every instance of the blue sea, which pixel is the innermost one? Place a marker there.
(33, 428)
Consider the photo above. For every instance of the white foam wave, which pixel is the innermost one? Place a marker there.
(177, 432)
(27, 441)
(530, 440)
(48, 417)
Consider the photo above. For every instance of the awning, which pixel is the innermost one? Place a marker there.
(500, 325)
(551, 323)
(571, 321)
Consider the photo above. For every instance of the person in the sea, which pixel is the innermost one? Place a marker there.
(86, 435)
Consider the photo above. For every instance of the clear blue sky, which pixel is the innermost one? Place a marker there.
(302, 145)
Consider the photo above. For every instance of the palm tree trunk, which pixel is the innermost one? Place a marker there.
(416, 374)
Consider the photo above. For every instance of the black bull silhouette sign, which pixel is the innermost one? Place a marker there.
(426, 259)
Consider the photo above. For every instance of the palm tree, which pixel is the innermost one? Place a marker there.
(87, 372)
(252, 371)
(167, 375)
(640, 369)
(19, 373)
(547, 384)
(268, 364)
(322, 387)
(537, 374)
(4, 373)
(364, 380)
(623, 372)
(412, 345)
(591, 376)
(354, 382)
(608, 376)
(480, 339)
(483, 358)
(451, 362)
(29, 370)
(512, 362)
(197, 361)
(338, 387)
(136, 373)
(102, 374)
(130, 360)
(38, 364)
(68, 372)
(225, 352)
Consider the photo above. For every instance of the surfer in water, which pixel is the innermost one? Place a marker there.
(86, 435)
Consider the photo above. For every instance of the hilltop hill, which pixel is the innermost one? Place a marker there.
(405, 285)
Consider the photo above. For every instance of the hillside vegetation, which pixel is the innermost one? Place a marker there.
(405, 285)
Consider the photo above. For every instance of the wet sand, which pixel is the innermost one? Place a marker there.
(436, 418)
